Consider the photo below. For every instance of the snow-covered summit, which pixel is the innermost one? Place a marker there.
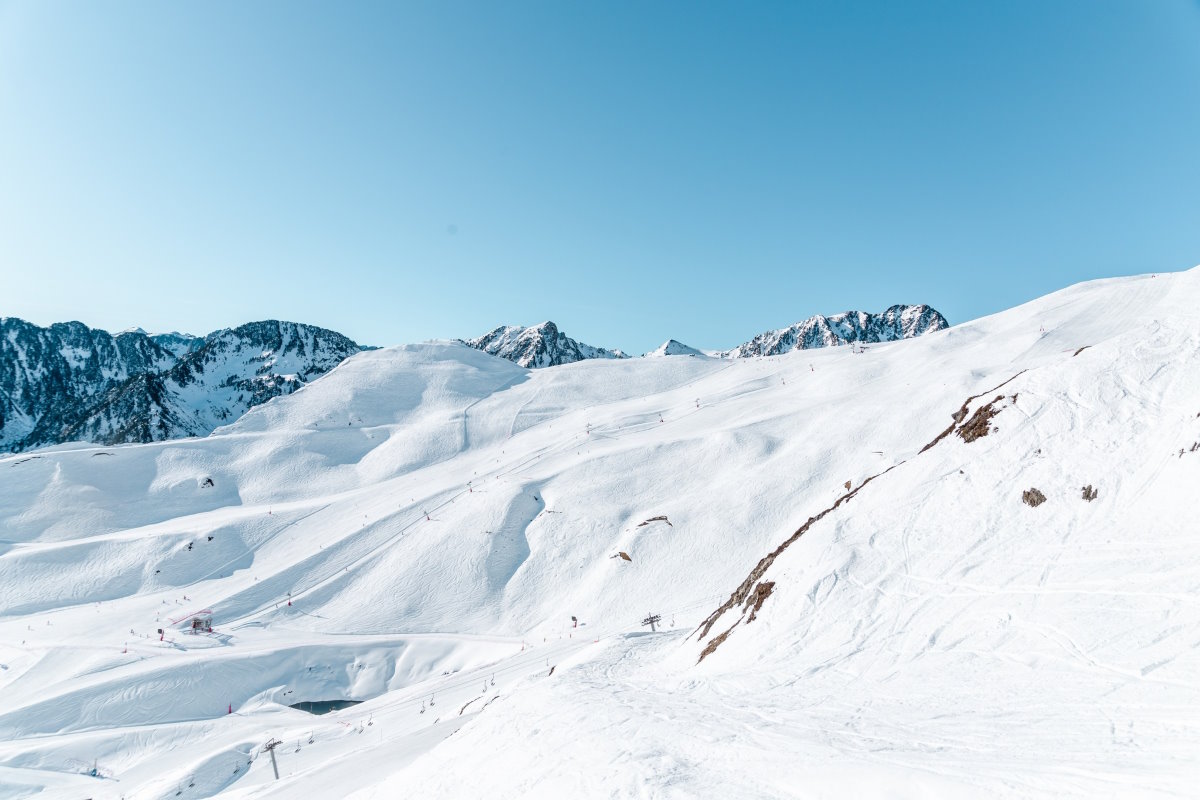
(897, 322)
(542, 345)
(671, 347)
(545, 346)
(69, 382)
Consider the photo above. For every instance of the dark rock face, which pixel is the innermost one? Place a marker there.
(178, 344)
(897, 322)
(48, 375)
(139, 409)
(542, 345)
(69, 382)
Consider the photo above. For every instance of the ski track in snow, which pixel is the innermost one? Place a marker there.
(415, 530)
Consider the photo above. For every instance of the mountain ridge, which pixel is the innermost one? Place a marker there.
(68, 381)
(545, 345)
(893, 323)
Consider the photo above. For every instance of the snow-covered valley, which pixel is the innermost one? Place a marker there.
(470, 548)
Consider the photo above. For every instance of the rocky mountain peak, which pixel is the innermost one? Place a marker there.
(896, 322)
(70, 382)
(542, 345)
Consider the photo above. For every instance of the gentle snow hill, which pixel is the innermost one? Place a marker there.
(417, 528)
(72, 383)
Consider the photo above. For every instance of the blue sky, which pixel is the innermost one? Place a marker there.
(634, 171)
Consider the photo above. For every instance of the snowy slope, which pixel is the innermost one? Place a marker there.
(416, 529)
(71, 383)
(243, 367)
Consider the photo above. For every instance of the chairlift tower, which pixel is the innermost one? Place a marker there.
(270, 748)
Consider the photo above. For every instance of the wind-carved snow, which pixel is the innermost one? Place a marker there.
(437, 533)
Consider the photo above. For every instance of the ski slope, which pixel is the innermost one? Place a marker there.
(416, 529)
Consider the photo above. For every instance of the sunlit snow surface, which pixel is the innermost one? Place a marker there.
(438, 515)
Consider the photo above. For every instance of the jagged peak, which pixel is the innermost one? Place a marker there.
(535, 346)
(895, 322)
(71, 380)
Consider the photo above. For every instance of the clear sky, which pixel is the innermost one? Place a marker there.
(634, 171)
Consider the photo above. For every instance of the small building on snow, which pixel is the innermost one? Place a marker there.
(200, 622)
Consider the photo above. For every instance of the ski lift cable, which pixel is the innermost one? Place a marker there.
(522, 664)
(341, 568)
(532, 657)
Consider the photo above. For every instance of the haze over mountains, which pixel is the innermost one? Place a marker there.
(69, 382)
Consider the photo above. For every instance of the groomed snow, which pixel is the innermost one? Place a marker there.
(416, 529)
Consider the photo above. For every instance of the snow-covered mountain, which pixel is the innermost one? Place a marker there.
(230, 373)
(176, 343)
(69, 382)
(897, 322)
(49, 376)
(960, 565)
(541, 345)
(545, 345)
(671, 347)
